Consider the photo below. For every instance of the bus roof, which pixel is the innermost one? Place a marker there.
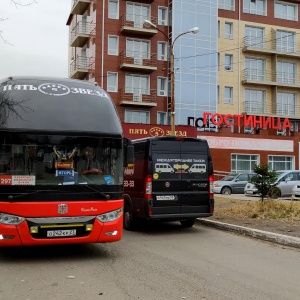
(58, 106)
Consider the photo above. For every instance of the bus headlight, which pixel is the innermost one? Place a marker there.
(10, 219)
(110, 216)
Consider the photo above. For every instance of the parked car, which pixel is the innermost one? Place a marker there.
(286, 181)
(233, 183)
(296, 191)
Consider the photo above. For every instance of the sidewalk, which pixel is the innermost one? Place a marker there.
(255, 233)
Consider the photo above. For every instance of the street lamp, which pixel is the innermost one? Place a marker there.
(172, 75)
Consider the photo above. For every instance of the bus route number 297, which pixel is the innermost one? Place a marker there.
(128, 183)
(5, 180)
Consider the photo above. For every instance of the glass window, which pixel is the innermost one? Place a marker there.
(113, 45)
(162, 16)
(287, 11)
(162, 86)
(112, 82)
(286, 104)
(255, 101)
(62, 161)
(113, 9)
(228, 63)
(228, 95)
(162, 118)
(243, 163)
(228, 30)
(280, 162)
(286, 72)
(138, 49)
(254, 37)
(162, 51)
(226, 4)
(254, 69)
(137, 85)
(285, 41)
(256, 7)
(137, 13)
(139, 117)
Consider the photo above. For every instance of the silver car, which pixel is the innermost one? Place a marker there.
(286, 181)
(233, 183)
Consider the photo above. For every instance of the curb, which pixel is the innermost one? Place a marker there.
(255, 233)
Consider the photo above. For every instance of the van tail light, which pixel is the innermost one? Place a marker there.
(148, 193)
(211, 194)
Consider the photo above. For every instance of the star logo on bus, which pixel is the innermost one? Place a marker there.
(54, 89)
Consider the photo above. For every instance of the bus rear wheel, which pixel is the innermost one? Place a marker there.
(187, 223)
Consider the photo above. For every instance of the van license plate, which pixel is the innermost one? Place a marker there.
(54, 233)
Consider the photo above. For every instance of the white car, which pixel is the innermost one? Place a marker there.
(296, 191)
(285, 182)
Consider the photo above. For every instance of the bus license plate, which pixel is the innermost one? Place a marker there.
(54, 233)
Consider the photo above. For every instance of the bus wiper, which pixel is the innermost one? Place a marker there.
(106, 196)
(11, 197)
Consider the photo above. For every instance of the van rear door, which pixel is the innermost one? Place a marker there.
(183, 187)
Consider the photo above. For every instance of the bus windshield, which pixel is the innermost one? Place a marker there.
(37, 160)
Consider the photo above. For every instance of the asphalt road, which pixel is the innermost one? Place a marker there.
(158, 262)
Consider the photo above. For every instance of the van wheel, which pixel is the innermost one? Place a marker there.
(128, 221)
(187, 223)
(226, 190)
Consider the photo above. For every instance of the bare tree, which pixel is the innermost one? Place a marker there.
(16, 4)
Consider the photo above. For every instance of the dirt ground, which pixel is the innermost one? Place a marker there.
(277, 226)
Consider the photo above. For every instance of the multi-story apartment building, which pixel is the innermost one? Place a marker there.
(258, 58)
(111, 43)
(243, 61)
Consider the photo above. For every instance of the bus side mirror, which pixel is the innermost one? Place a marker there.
(128, 152)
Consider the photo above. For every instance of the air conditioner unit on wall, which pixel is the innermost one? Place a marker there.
(228, 68)
(281, 132)
(248, 130)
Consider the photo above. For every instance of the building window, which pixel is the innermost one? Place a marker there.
(138, 49)
(280, 162)
(286, 104)
(218, 94)
(113, 9)
(137, 13)
(286, 72)
(228, 30)
(162, 51)
(135, 116)
(254, 69)
(162, 86)
(228, 95)
(112, 82)
(226, 4)
(219, 63)
(255, 101)
(285, 41)
(162, 118)
(137, 85)
(113, 46)
(228, 63)
(243, 163)
(286, 11)
(219, 29)
(255, 7)
(162, 15)
(254, 37)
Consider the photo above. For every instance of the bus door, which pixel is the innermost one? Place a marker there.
(166, 180)
(194, 177)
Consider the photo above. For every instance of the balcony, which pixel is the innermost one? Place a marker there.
(138, 61)
(79, 7)
(135, 24)
(137, 97)
(254, 76)
(81, 66)
(261, 108)
(271, 46)
(81, 32)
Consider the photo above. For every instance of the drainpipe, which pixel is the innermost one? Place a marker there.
(102, 50)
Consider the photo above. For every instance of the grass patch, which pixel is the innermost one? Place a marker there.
(269, 210)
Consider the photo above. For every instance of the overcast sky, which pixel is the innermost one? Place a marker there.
(39, 37)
